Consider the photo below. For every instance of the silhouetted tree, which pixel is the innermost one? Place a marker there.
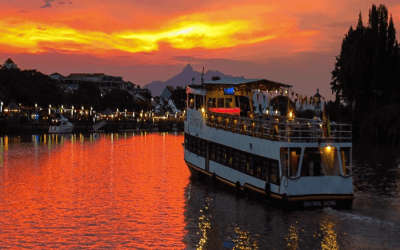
(366, 75)
(118, 99)
(29, 87)
(88, 94)
(179, 97)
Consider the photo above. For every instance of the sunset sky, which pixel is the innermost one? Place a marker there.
(290, 41)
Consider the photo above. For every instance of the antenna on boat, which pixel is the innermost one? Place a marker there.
(202, 76)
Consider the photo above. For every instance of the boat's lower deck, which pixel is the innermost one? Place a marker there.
(311, 200)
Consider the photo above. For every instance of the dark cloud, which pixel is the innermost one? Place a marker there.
(49, 3)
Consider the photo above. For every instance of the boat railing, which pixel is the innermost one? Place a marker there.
(281, 128)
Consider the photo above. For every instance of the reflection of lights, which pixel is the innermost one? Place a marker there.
(292, 238)
(329, 240)
(204, 226)
(243, 240)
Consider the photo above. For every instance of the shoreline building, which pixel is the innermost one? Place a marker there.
(105, 83)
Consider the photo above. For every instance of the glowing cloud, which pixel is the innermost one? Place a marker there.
(34, 37)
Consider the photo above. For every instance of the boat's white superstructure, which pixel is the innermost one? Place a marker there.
(280, 156)
(62, 126)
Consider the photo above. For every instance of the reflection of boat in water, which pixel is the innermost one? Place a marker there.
(232, 138)
(61, 125)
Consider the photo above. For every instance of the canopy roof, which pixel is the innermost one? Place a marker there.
(262, 84)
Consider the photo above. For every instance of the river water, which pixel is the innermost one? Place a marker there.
(115, 191)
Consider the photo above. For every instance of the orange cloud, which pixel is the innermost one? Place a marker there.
(34, 37)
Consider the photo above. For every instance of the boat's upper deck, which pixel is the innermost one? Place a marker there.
(265, 109)
(280, 128)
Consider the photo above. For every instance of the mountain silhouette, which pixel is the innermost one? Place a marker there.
(187, 76)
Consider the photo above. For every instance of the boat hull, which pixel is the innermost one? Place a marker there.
(60, 130)
(313, 200)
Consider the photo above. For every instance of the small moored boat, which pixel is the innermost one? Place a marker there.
(61, 125)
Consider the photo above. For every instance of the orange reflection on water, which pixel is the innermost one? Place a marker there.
(115, 191)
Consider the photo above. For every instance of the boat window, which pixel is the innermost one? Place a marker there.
(230, 157)
(191, 101)
(242, 160)
(249, 165)
(320, 161)
(199, 102)
(202, 147)
(330, 162)
(257, 166)
(346, 160)
(274, 172)
(294, 161)
(236, 160)
(220, 102)
(265, 169)
(261, 167)
(186, 141)
(244, 104)
(212, 103)
(311, 162)
(228, 103)
(284, 161)
(212, 151)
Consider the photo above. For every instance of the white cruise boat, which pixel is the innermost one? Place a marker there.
(254, 147)
(61, 126)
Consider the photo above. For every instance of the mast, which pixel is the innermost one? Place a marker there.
(202, 76)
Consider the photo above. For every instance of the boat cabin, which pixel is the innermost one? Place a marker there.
(234, 96)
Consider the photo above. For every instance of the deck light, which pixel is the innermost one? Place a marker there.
(291, 115)
(328, 148)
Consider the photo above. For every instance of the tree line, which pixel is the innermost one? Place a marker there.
(30, 87)
(366, 78)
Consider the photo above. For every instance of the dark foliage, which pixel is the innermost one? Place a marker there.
(179, 97)
(29, 87)
(118, 99)
(367, 71)
(88, 94)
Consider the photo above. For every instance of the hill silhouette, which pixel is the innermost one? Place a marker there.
(184, 78)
